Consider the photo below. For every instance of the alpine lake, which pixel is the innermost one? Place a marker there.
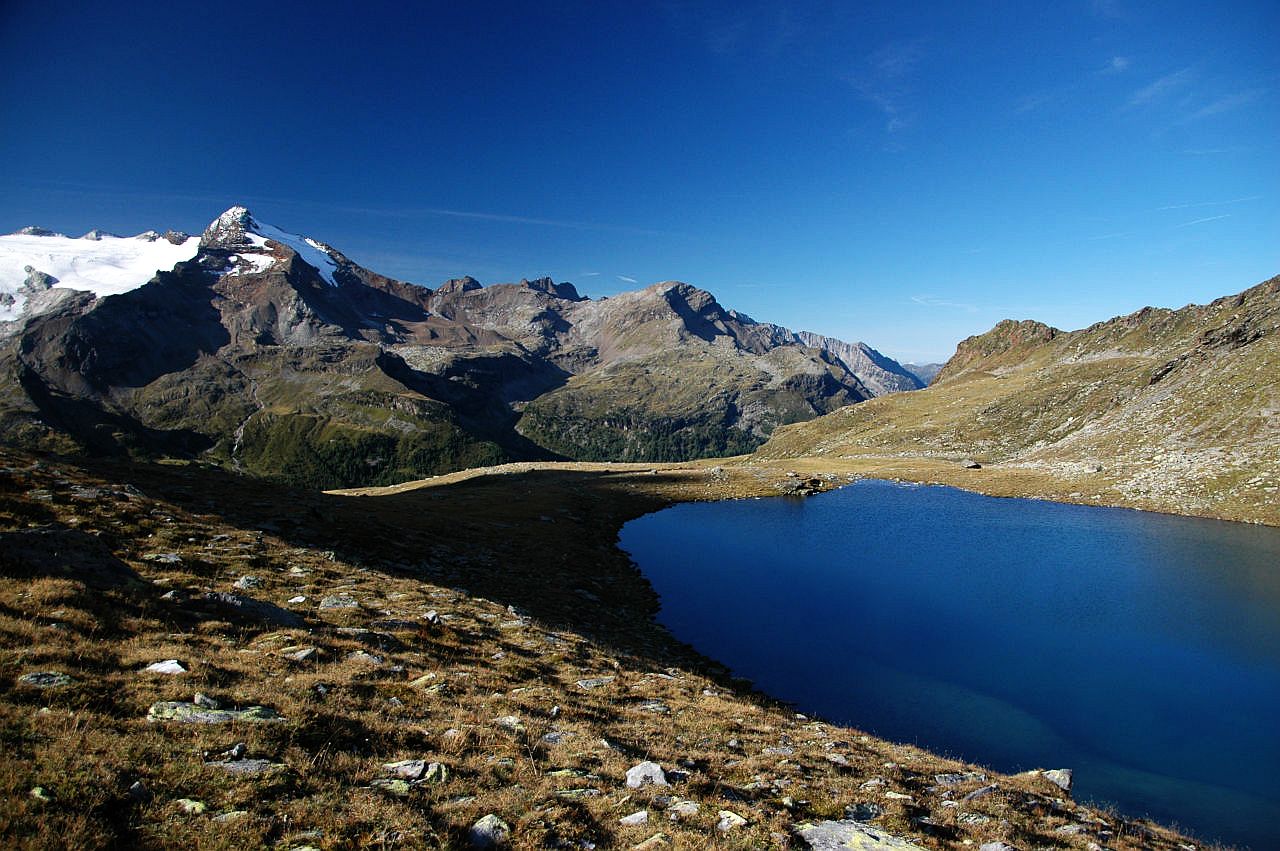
(1140, 650)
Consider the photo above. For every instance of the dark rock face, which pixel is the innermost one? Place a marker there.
(280, 356)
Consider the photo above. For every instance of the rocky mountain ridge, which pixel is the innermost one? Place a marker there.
(1173, 410)
(278, 355)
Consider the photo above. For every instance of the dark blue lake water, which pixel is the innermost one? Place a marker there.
(1141, 650)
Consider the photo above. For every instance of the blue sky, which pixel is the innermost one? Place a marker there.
(904, 174)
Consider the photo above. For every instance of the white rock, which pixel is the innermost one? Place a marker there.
(168, 666)
(646, 772)
(641, 817)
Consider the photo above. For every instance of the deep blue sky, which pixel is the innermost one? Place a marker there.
(904, 174)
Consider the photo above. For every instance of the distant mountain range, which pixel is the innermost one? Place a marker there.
(277, 355)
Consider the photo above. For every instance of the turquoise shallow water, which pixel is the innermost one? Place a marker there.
(1141, 650)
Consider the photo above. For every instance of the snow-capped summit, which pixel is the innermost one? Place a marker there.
(230, 229)
(34, 230)
(250, 244)
(97, 234)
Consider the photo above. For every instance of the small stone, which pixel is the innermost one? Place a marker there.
(489, 832)
(639, 817)
(958, 779)
(246, 766)
(230, 816)
(247, 582)
(139, 792)
(191, 807)
(729, 820)
(365, 658)
(511, 724)
(646, 772)
(305, 654)
(972, 819)
(168, 666)
(437, 772)
(409, 769)
(46, 679)
(838, 759)
(682, 809)
(658, 840)
(205, 701)
(41, 794)
(236, 751)
(1060, 777)
(397, 786)
(996, 846)
(970, 464)
(594, 682)
(779, 751)
(163, 558)
(339, 601)
(298, 598)
(863, 812)
(981, 792)
(432, 617)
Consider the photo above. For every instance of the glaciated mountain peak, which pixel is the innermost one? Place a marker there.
(35, 230)
(230, 230)
(247, 241)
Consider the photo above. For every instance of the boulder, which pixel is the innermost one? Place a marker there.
(645, 773)
(1060, 777)
(489, 832)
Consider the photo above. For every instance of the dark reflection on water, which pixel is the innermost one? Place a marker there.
(1140, 649)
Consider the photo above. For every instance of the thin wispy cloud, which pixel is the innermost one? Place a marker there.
(1116, 65)
(589, 275)
(885, 81)
(1161, 88)
(1226, 103)
(1028, 103)
(1210, 203)
(1111, 236)
(626, 280)
(934, 301)
(1202, 221)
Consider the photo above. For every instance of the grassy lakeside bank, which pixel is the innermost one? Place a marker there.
(484, 621)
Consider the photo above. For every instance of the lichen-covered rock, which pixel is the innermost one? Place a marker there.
(841, 835)
(183, 712)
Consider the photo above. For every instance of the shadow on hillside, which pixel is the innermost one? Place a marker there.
(542, 542)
